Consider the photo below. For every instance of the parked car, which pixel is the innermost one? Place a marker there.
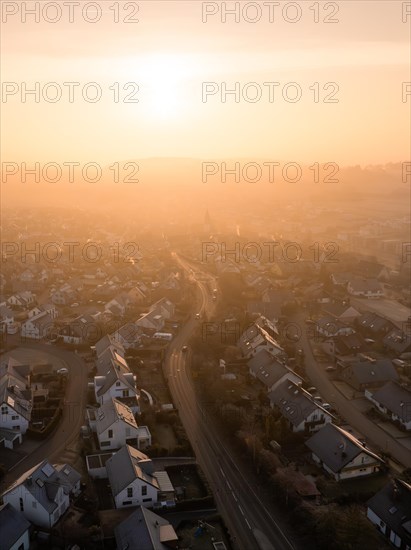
(63, 370)
(330, 368)
(184, 348)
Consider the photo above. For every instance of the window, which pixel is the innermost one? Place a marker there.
(105, 443)
(16, 427)
(125, 393)
(110, 434)
(147, 499)
(15, 417)
(126, 502)
(4, 410)
(129, 492)
(144, 490)
(118, 383)
(21, 504)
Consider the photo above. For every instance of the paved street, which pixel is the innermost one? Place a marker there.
(248, 520)
(73, 412)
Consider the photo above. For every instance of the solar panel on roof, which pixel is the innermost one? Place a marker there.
(48, 470)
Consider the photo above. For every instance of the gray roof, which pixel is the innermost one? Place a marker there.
(372, 321)
(336, 448)
(266, 368)
(364, 285)
(398, 341)
(144, 530)
(393, 506)
(126, 465)
(367, 372)
(396, 399)
(294, 402)
(43, 482)
(111, 412)
(115, 373)
(13, 525)
(106, 342)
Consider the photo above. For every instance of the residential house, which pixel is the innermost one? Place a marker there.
(341, 312)
(14, 529)
(145, 530)
(119, 384)
(43, 493)
(259, 336)
(372, 325)
(128, 335)
(390, 511)
(365, 288)
(22, 299)
(15, 403)
(341, 454)
(348, 344)
(398, 341)
(6, 316)
(298, 407)
(369, 373)
(330, 327)
(164, 307)
(38, 327)
(65, 296)
(394, 401)
(115, 426)
(118, 305)
(151, 322)
(341, 279)
(134, 482)
(269, 371)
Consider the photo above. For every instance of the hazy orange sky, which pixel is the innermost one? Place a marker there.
(171, 52)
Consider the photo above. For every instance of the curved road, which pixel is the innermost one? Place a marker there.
(68, 430)
(249, 522)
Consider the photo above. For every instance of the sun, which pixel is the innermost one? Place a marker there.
(163, 80)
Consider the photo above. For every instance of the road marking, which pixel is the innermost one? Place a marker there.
(235, 498)
(222, 472)
(249, 526)
(229, 486)
(241, 510)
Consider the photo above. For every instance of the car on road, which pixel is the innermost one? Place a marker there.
(184, 348)
(197, 316)
(63, 370)
(310, 322)
(330, 368)
(76, 304)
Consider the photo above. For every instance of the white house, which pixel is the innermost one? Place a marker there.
(394, 401)
(14, 529)
(22, 299)
(38, 326)
(42, 493)
(119, 385)
(15, 403)
(115, 426)
(298, 407)
(390, 511)
(261, 335)
(134, 482)
(341, 454)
